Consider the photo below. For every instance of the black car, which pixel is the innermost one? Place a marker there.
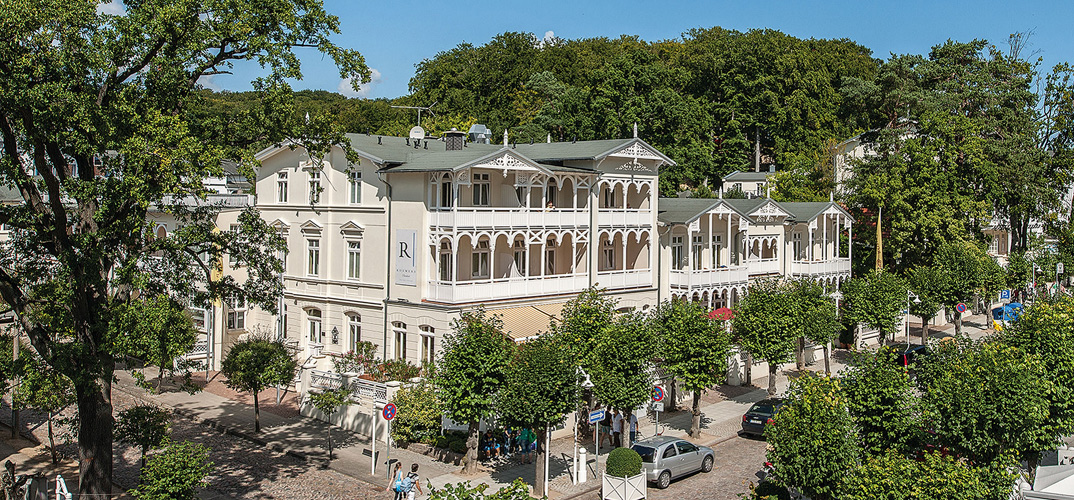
(760, 415)
(905, 354)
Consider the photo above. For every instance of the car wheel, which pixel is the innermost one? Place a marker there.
(664, 480)
(706, 465)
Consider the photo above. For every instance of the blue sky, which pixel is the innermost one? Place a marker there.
(394, 36)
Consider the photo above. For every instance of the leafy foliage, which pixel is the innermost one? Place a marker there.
(876, 299)
(43, 389)
(256, 364)
(620, 362)
(582, 319)
(420, 411)
(893, 476)
(359, 360)
(765, 324)
(329, 401)
(144, 426)
(882, 403)
(157, 330)
(694, 349)
(517, 490)
(623, 462)
(176, 473)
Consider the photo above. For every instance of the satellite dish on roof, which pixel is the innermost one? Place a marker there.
(417, 133)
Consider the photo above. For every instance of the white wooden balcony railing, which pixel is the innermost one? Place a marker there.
(325, 380)
(496, 217)
(763, 266)
(830, 266)
(630, 278)
(618, 217)
(483, 290)
(704, 278)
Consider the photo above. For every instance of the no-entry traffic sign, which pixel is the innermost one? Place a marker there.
(658, 393)
(389, 411)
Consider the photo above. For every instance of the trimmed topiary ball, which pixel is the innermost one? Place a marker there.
(623, 462)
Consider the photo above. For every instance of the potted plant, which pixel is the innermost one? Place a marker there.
(623, 477)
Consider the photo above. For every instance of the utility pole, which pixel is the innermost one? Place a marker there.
(428, 108)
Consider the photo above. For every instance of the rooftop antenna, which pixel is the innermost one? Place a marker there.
(428, 108)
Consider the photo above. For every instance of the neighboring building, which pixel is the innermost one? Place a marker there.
(752, 184)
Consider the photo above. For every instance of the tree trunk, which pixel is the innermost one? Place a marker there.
(1031, 463)
(772, 368)
(958, 323)
(800, 355)
(257, 414)
(673, 396)
(160, 379)
(538, 464)
(145, 451)
(749, 370)
(924, 330)
(52, 440)
(471, 448)
(828, 358)
(329, 442)
(695, 423)
(95, 435)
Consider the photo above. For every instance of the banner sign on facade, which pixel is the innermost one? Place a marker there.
(406, 257)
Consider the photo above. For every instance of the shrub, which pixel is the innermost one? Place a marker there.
(419, 414)
(358, 360)
(175, 473)
(623, 462)
(395, 369)
(442, 442)
(458, 446)
(144, 426)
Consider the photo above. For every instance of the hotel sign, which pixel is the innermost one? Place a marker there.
(406, 257)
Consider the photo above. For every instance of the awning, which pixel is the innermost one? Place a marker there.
(528, 321)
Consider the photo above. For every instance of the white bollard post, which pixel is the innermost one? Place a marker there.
(582, 466)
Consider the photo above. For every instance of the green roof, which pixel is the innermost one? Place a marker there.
(748, 176)
(685, 210)
(805, 211)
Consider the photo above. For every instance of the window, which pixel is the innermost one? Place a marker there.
(717, 246)
(354, 259)
(445, 261)
(550, 257)
(313, 257)
(685, 447)
(428, 339)
(281, 326)
(315, 186)
(354, 184)
(446, 195)
(200, 318)
(282, 255)
(609, 197)
(993, 245)
(479, 260)
(669, 451)
(678, 261)
(796, 246)
(481, 190)
(400, 339)
(236, 314)
(314, 319)
(608, 254)
(354, 330)
(520, 192)
(234, 229)
(281, 187)
(550, 195)
(697, 252)
(520, 256)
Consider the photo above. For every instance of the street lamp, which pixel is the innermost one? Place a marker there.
(917, 300)
(586, 384)
(1035, 269)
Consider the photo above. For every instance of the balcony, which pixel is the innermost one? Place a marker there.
(690, 279)
(501, 217)
(820, 267)
(506, 288)
(631, 278)
(619, 217)
(763, 266)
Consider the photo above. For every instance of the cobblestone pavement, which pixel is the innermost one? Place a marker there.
(738, 460)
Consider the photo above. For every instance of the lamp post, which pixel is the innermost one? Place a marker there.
(917, 300)
(1035, 269)
(586, 384)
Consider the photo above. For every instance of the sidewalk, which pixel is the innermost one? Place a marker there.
(306, 438)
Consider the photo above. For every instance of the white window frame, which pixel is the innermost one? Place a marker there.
(480, 260)
(447, 193)
(551, 194)
(282, 186)
(354, 187)
(608, 254)
(399, 339)
(550, 257)
(445, 272)
(520, 250)
(354, 259)
(236, 314)
(678, 257)
(428, 344)
(315, 186)
(313, 256)
(698, 246)
(796, 246)
(315, 326)
(481, 187)
(354, 330)
(717, 246)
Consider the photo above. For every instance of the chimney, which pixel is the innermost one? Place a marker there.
(454, 140)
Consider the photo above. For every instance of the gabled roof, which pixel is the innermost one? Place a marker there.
(584, 150)
(426, 161)
(748, 176)
(687, 210)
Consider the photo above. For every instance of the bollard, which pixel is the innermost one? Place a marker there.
(582, 465)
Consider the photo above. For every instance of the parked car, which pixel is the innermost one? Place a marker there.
(759, 415)
(664, 458)
(906, 354)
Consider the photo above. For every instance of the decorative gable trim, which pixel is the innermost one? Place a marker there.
(768, 212)
(280, 225)
(352, 229)
(311, 226)
(504, 160)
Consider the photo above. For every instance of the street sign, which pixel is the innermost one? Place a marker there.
(389, 411)
(1005, 294)
(961, 307)
(658, 406)
(596, 416)
(658, 393)
(1059, 268)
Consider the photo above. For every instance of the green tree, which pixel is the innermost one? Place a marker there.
(694, 350)
(96, 110)
(157, 330)
(877, 300)
(882, 403)
(176, 473)
(926, 283)
(817, 317)
(620, 363)
(893, 476)
(419, 415)
(963, 271)
(256, 364)
(765, 325)
(540, 389)
(144, 426)
(582, 320)
(470, 371)
(517, 490)
(329, 401)
(811, 438)
(45, 390)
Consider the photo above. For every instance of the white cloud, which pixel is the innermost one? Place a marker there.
(111, 7)
(209, 82)
(345, 88)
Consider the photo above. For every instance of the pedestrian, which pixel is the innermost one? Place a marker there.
(633, 427)
(617, 429)
(410, 482)
(396, 483)
(606, 428)
(529, 443)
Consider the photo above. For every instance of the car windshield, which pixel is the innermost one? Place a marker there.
(762, 408)
(645, 452)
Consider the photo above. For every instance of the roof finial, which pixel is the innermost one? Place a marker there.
(505, 138)
(719, 192)
(635, 130)
(549, 140)
(768, 189)
(831, 196)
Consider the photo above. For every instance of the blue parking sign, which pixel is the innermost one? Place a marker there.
(1005, 294)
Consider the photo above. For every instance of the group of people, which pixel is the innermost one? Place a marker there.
(505, 442)
(611, 428)
(403, 486)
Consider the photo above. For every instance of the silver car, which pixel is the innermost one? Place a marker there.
(665, 458)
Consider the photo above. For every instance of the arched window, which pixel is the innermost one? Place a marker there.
(316, 331)
(399, 328)
(354, 329)
(428, 347)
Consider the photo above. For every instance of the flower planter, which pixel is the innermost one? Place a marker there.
(623, 488)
